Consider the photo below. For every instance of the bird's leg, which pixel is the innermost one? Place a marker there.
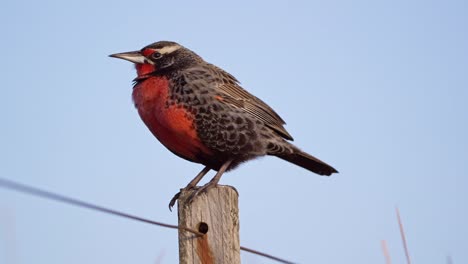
(189, 186)
(212, 183)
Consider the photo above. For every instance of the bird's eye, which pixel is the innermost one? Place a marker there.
(156, 55)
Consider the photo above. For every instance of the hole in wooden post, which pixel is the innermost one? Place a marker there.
(203, 227)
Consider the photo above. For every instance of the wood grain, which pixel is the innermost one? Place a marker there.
(218, 209)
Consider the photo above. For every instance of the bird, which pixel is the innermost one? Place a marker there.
(200, 113)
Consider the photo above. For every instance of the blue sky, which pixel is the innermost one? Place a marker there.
(378, 89)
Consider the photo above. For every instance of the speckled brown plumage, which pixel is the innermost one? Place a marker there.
(202, 114)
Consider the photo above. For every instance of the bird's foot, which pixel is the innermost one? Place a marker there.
(177, 195)
(192, 184)
(196, 191)
(201, 190)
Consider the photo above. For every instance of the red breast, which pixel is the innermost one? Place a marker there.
(171, 124)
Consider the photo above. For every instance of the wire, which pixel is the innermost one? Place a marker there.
(7, 184)
(265, 255)
(60, 198)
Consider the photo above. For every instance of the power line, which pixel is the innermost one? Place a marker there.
(11, 185)
(265, 255)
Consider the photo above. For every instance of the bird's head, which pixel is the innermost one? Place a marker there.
(159, 57)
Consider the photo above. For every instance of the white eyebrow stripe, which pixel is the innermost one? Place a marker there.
(169, 49)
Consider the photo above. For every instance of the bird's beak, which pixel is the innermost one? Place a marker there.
(132, 56)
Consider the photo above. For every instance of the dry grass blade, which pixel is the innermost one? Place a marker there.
(388, 259)
(403, 237)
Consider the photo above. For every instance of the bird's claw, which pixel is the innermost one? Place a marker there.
(177, 196)
(199, 191)
(173, 200)
(196, 191)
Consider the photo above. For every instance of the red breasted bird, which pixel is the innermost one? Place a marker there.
(201, 113)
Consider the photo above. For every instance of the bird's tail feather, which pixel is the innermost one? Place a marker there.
(308, 162)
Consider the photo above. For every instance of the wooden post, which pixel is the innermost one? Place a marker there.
(216, 214)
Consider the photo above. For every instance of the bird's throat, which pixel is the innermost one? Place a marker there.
(144, 70)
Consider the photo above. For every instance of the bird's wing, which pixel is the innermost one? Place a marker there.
(227, 86)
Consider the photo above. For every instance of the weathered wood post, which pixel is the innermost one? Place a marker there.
(216, 214)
